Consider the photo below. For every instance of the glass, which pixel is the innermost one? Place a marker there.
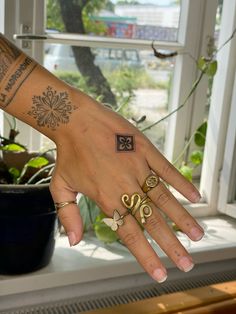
(139, 82)
(142, 19)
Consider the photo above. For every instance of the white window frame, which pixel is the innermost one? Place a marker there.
(218, 181)
(227, 189)
(223, 155)
(197, 23)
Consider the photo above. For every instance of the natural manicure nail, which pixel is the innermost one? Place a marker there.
(196, 233)
(186, 264)
(159, 275)
(196, 197)
(71, 238)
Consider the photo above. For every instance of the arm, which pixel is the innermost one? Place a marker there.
(103, 156)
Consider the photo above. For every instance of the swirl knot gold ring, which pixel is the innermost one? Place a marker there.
(137, 202)
(151, 182)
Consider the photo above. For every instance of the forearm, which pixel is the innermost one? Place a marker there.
(31, 93)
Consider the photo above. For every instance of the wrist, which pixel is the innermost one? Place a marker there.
(82, 117)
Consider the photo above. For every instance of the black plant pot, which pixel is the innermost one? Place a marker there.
(28, 227)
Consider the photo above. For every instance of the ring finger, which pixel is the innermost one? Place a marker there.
(158, 229)
(166, 201)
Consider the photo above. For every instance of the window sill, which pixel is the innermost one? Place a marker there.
(91, 261)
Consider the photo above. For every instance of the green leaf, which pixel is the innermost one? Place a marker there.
(207, 66)
(187, 172)
(196, 157)
(104, 232)
(13, 148)
(37, 162)
(15, 173)
(202, 64)
(88, 211)
(200, 135)
(211, 68)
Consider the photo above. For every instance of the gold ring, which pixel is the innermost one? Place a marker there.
(151, 182)
(63, 204)
(116, 221)
(136, 202)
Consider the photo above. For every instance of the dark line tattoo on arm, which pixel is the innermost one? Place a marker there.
(15, 67)
(52, 108)
(125, 143)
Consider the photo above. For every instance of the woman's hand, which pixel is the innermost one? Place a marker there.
(103, 156)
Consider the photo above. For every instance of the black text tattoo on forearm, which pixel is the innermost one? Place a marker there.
(15, 67)
(125, 143)
(52, 108)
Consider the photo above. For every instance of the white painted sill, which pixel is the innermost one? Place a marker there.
(91, 261)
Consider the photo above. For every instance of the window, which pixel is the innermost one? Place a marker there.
(126, 40)
(218, 176)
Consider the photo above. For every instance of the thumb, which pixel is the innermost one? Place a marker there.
(69, 215)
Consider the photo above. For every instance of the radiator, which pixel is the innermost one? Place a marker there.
(225, 272)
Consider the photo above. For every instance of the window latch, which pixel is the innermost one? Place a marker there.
(30, 37)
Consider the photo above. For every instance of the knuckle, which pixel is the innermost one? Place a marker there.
(102, 200)
(53, 188)
(64, 218)
(154, 224)
(131, 239)
(143, 144)
(167, 170)
(163, 198)
(185, 219)
(149, 263)
(171, 246)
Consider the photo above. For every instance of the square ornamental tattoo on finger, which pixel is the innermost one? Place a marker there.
(125, 143)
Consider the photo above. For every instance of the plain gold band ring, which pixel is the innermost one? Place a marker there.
(63, 204)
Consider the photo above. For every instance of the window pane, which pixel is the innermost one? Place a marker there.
(143, 19)
(139, 82)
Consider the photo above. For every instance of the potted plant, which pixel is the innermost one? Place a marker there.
(27, 214)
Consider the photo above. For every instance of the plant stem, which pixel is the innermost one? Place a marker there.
(226, 42)
(9, 123)
(184, 149)
(194, 86)
(87, 201)
(37, 173)
(44, 180)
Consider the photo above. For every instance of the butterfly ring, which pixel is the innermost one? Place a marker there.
(116, 221)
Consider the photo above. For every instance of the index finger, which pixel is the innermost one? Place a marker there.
(165, 170)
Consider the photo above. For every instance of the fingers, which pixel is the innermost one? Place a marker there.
(158, 229)
(69, 215)
(171, 175)
(132, 236)
(165, 200)
(130, 232)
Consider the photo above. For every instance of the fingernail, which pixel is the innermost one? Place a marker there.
(186, 264)
(71, 238)
(196, 233)
(196, 196)
(159, 275)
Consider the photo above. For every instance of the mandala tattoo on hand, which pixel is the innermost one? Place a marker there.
(125, 143)
(51, 109)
